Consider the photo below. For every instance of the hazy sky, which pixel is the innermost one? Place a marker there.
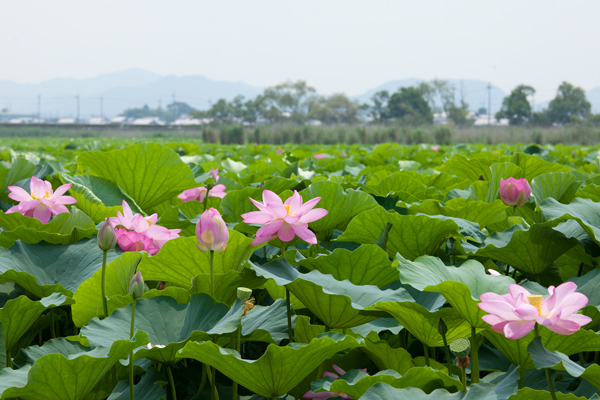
(337, 46)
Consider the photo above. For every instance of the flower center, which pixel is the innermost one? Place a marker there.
(287, 210)
(536, 300)
(46, 196)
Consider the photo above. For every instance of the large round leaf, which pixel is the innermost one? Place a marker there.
(149, 173)
(167, 323)
(46, 268)
(64, 370)
(461, 286)
(367, 265)
(336, 303)
(412, 236)
(11, 173)
(65, 228)
(279, 369)
(585, 211)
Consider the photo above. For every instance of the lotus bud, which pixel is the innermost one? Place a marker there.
(107, 238)
(212, 232)
(244, 293)
(136, 287)
(514, 192)
(215, 174)
(460, 348)
(442, 328)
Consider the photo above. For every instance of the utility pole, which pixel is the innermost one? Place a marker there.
(39, 106)
(101, 106)
(175, 106)
(77, 119)
(489, 87)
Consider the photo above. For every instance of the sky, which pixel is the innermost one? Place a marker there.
(336, 46)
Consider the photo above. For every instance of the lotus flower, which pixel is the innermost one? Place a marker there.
(321, 155)
(515, 314)
(280, 151)
(211, 231)
(284, 220)
(136, 233)
(43, 202)
(493, 272)
(514, 192)
(327, 395)
(435, 148)
(199, 193)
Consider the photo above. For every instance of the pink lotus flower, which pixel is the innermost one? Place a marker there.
(343, 154)
(280, 151)
(515, 314)
(321, 155)
(136, 233)
(43, 202)
(211, 231)
(327, 395)
(493, 272)
(199, 193)
(435, 148)
(514, 192)
(151, 346)
(284, 220)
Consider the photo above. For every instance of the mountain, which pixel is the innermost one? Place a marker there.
(114, 92)
(475, 92)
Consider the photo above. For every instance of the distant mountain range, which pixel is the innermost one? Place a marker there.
(112, 93)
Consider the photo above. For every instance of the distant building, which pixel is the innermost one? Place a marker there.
(191, 121)
(66, 121)
(119, 120)
(489, 120)
(148, 121)
(98, 121)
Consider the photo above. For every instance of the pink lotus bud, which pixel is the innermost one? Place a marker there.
(514, 192)
(107, 239)
(343, 154)
(215, 174)
(435, 148)
(136, 287)
(211, 231)
(280, 151)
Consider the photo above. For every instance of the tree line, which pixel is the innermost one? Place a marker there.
(298, 103)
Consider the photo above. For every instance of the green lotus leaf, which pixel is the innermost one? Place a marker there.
(65, 228)
(532, 166)
(150, 387)
(237, 202)
(422, 323)
(468, 169)
(355, 383)
(99, 198)
(304, 332)
(411, 235)
(461, 286)
(19, 314)
(167, 323)
(585, 211)
(367, 265)
(378, 325)
(88, 296)
(476, 211)
(532, 394)
(555, 185)
(266, 324)
(185, 215)
(482, 391)
(500, 171)
(11, 173)
(589, 191)
(44, 268)
(386, 357)
(530, 251)
(342, 206)
(544, 358)
(65, 375)
(588, 285)
(336, 303)
(394, 183)
(516, 349)
(149, 173)
(279, 369)
(279, 184)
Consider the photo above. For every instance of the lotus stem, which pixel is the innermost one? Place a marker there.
(463, 378)
(9, 361)
(52, 323)
(203, 381)
(211, 257)
(289, 315)
(426, 353)
(103, 285)
(237, 346)
(447, 351)
(171, 383)
(474, 356)
(582, 359)
(215, 392)
(131, 330)
(548, 377)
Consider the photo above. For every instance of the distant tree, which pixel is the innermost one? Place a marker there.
(379, 108)
(180, 108)
(460, 114)
(173, 111)
(516, 107)
(569, 104)
(482, 111)
(409, 105)
(335, 109)
(289, 97)
(444, 91)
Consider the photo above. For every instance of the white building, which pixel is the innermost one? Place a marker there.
(148, 121)
(66, 121)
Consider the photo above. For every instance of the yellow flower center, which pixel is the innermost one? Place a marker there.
(536, 300)
(46, 196)
(150, 223)
(287, 211)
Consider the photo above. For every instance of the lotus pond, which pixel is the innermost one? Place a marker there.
(176, 270)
